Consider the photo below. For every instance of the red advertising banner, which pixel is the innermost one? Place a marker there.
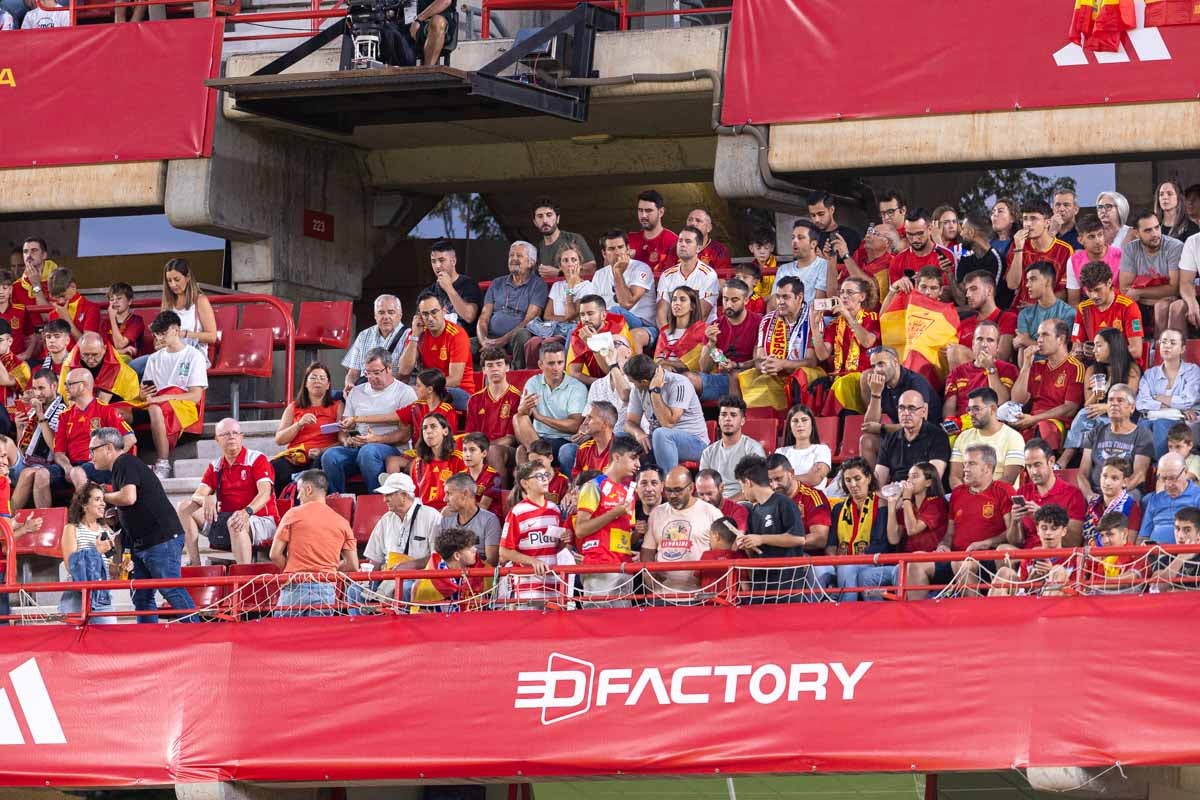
(862, 59)
(864, 687)
(103, 93)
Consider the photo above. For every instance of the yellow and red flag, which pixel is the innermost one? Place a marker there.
(920, 329)
(1172, 12)
(1098, 24)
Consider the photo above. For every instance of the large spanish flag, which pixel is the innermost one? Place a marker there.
(1172, 12)
(920, 329)
(1098, 24)
(115, 377)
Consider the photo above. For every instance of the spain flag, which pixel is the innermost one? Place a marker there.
(1172, 12)
(1098, 24)
(920, 329)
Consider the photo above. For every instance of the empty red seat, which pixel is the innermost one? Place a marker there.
(827, 430)
(258, 595)
(325, 324)
(343, 504)
(367, 511)
(244, 353)
(205, 596)
(47, 540)
(266, 315)
(518, 377)
(764, 431)
(848, 446)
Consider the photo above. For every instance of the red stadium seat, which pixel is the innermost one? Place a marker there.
(342, 504)
(265, 315)
(367, 512)
(1191, 351)
(47, 540)
(848, 446)
(518, 377)
(244, 353)
(205, 596)
(764, 431)
(503, 505)
(762, 412)
(256, 596)
(827, 431)
(712, 430)
(324, 324)
(226, 315)
(146, 346)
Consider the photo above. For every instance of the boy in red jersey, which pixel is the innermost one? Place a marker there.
(490, 411)
(1051, 381)
(542, 452)
(532, 536)
(1034, 243)
(1047, 576)
(1105, 307)
(20, 323)
(604, 523)
(474, 449)
(69, 305)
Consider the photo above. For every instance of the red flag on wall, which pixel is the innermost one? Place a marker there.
(1098, 24)
(1172, 12)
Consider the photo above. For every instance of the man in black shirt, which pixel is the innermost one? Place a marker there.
(822, 212)
(916, 440)
(149, 525)
(459, 294)
(775, 529)
(976, 235)
(882, 387)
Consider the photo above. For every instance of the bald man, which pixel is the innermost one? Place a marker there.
(113, 380)
(84, 415)
(712, 253)
(916, 440)
(677, 532)
(235, 499)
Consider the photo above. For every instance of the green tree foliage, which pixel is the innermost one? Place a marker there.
(1022, 185)
(470, 212)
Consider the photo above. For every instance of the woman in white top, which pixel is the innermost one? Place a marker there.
(87, 530)
(197, 321)
(811, 460)
(561, 314)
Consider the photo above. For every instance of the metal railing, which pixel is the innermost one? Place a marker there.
(739, 582)
(621, 7)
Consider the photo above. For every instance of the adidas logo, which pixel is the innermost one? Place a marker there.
(34, 701)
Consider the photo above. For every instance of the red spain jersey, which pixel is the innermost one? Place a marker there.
(1052, 387)
(612, 544)
(452, 347)
(1006, 320)
(493, 417)
(133, 329)
(813, 505)
(590, 456)
(84, 314)
(560, 487)
(848, 355)
(75, 429)
(21, 323)
(908, 261)
(431, 476)
(658, 252)
(239, 481)
(716, 255)
(1059, 255)
(487, 484)
(1062, 494)
(966, 378)
(1122, 314)
(414, 414)
(979, 516)
(24, 295)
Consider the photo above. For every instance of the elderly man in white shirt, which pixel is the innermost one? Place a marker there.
(404, 537)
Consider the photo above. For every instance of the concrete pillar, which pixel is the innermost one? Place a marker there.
(1135, 180)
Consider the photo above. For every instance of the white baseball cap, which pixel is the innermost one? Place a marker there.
(396, 482)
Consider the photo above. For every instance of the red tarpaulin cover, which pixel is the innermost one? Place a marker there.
(104, 93)
(860, 58)
(960, 685)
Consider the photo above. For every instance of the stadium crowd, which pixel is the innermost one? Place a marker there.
(941, 382)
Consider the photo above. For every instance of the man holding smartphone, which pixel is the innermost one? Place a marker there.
(1041, 489)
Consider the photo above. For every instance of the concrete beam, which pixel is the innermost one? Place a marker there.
(56, 191)
(246, 791)
(1035, 135)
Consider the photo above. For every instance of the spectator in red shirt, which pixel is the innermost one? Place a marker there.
(1046, 576)
(710, 487)
(236, 494)
(1105, 308)
(873, 258)
(922, 252)
(437, 459)
(584, 363)
(893, 210)
(985, 369)
(596, 434)
(124, 330)
(847, 342)
(653, 244)
(68, 304)
(916, 522)
(78, 421)
(1042, 488)
(1051, 381)
(1034, 243)
(490, 411)
(300, 426)
(731, 342)
(979, 289)
(442, 345)
(30, 288)
(474, 449)
(713, 253)
(980, 515)
(20, 323)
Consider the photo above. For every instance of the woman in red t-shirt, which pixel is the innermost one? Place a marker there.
(300, 426)
(436, 461)
(918, 517)
(683, 337)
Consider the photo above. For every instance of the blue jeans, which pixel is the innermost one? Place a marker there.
(138, 365)
(57, 475)
(847, 576)
(160, 561)
(368, 460)
(1158, 428)
(1080, 427)
(637, 322)
(877, 578)
(566, 457)
(302, 599)
(671, 446)
(72, 603)
(544, 329)
(459, 398)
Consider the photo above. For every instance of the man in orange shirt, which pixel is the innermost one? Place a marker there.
(1034, 243)
(1053, 381)
(442, 345)
(1105, 307)
(312, 537)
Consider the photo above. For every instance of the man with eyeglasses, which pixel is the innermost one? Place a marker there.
(441, 345)
(235, 499)
(113, 379)
(1159, 509)
(872, 259)
(893, 210)
(678, 533)
(150, 529)
(388, 332)
(916, 440)
(84, 414)
(880, 388)
(1120, 438)
(366, 447)
(922, 251)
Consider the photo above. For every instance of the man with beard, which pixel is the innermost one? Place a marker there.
(545, 219)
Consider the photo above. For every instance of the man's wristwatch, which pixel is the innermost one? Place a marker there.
(990, 370)
(656, 390)
(249, 511)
